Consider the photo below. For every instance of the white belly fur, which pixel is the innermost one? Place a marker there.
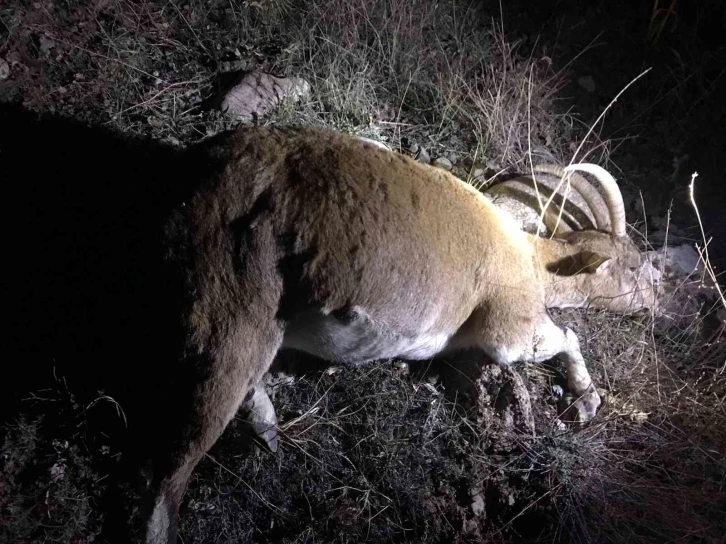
(360, 340)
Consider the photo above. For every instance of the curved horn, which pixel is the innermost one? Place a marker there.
(554, 223)
(376, 143)
(611, 193)
(590, 194)
(517, 190)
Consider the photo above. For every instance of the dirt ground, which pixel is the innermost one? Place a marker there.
(455, 450)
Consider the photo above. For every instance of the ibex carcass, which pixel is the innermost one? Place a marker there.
(308, 239)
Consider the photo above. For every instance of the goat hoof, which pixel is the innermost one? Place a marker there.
(584, 407)
(266, 437)
(258, 411)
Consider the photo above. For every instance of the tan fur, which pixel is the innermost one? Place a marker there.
(313, 240)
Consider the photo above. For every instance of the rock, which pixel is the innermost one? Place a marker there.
(493, 165)
(46, 44)
(423, 156)
(443, 163)
(683, 259)
(478, 507)
(480, 175)
(416, 151)
(684, 286)
(471, 528)
(258, 93)
(4, 69)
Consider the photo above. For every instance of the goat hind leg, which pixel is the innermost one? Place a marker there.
(258, 411)
(215, 398)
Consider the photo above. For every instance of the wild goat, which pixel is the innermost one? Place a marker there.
(308, 239)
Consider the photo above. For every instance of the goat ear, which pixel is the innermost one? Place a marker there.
(594, 263)
(584, 262)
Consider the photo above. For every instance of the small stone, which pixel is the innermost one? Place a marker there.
(257, 93)
(478, 507)
(46, 44)
(154, 121)
(423, 156)
(430, 388)
(443, 163)
(470, 527)
(493, 165)
(4, 69)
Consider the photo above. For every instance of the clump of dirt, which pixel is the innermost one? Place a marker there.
(505, 408)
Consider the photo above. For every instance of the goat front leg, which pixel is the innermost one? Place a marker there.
(579, 382)
(542, 340)
(218, 386)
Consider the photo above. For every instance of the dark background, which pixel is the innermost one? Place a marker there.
(672, 121)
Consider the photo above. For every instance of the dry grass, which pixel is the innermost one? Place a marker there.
(651, 467)
(431, 71)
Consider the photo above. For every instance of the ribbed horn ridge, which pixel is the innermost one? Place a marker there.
(590, 194)
(554, 224)
(517, 189)
(611, 192)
